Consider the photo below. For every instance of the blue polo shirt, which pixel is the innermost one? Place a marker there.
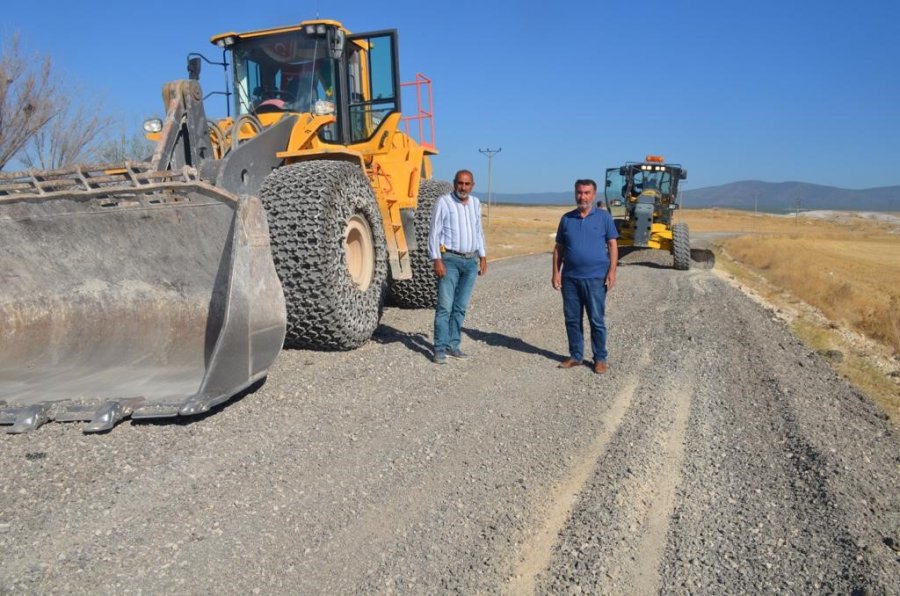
(585, 254)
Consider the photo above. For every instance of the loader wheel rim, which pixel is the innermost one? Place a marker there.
(360, 250)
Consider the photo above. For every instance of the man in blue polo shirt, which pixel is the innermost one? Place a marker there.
(584, 267)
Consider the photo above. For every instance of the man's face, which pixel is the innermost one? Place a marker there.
(463, 185)
(584, 196)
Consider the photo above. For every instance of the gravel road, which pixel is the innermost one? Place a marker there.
(718, 455)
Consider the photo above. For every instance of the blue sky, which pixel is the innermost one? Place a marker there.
(788, 90)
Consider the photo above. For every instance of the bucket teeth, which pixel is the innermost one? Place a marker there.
(106, 417)
(29, 418)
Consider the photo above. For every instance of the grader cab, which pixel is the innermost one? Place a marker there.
(162, 288)
(642, 197)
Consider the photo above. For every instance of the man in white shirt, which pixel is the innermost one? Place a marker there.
(456, 245)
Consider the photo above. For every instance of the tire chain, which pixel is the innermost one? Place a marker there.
(421, 290)
(308, 205)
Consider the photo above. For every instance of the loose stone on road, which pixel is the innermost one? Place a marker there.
(717, 455)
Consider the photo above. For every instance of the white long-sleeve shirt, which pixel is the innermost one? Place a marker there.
(456, 226)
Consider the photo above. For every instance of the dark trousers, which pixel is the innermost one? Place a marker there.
(580, 296)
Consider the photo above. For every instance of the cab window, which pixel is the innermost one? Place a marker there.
(374, 89)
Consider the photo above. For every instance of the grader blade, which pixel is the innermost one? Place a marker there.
(127, 292)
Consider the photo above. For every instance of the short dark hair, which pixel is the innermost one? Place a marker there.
(456, 175)
(585, 182)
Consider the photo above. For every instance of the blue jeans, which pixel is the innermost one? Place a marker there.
(579, 296)
(453, 292)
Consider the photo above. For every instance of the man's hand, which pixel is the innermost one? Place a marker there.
(482, 266)
(556, 276)
(439, 268)
(613, 247)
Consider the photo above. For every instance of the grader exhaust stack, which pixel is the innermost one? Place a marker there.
(129, 291)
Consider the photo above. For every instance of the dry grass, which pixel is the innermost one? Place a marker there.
(512, 230)
(866, 364)
(847, 270)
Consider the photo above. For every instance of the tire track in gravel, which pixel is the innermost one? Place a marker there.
(520, 400)
(644, 576)
(615, 539)
(536, 555)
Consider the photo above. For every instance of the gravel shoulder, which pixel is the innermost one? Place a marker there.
(718, 455)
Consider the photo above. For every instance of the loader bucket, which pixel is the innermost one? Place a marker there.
(125, 292)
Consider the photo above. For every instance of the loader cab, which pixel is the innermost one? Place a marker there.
(317, 68)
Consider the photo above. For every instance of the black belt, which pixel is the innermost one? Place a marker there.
(465, 255)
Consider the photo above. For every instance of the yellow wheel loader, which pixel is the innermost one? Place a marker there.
(163, 288)
(642, 197)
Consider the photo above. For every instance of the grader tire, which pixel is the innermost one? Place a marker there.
(681, 246)
(329, 251)
(421, 290)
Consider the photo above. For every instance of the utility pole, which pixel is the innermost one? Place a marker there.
(490, 153)
(756, 211)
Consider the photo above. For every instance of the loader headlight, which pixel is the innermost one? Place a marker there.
(152, 125)
(226, 42)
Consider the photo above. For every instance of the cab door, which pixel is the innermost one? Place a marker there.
(614, 192)
(373, 82)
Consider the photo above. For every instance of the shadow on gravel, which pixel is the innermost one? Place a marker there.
(644, 257)
(511, 343)
(187, 420)
(416, 342)
(656, 259)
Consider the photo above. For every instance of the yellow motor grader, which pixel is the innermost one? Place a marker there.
(163, 288)
(642, 197)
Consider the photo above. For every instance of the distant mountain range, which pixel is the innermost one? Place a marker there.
(772, 197)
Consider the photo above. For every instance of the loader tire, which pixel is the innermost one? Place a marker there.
(421, 290)
(681, 246)
(329, 250)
